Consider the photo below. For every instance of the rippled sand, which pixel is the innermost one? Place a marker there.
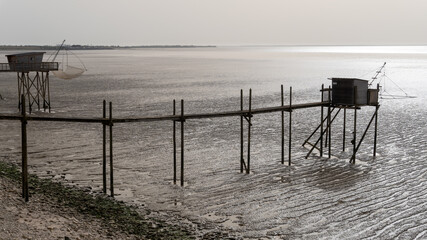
(314, 198)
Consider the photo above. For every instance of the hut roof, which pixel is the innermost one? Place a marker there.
(348, 79)
(26, 54)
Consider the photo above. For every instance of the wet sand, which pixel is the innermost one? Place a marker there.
(314, 198)
(42, 218)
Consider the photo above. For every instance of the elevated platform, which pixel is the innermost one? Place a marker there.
(29, 67)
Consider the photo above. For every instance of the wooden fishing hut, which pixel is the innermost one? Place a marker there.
(346, 93)
(33, 77)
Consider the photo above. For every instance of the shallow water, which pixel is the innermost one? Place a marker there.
(314, 198)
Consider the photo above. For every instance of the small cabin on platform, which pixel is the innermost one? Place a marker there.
(30, 61)
(33, 77)
(343, 92)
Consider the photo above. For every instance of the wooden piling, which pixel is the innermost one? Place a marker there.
(355, 125)
(376, 123)
(321, 123)
(24, 150)
(290, 124)
(19, 92)
(104, 149)
(329, 123)
(27, 86)
(174, 143)
(283, 127)
(241, 132)
(343, 129)
(38, 84)
(376, 129)
(48, 89)
(43, 93)
(353, 158)
(182, 142)
(111, 151)
(248, 169)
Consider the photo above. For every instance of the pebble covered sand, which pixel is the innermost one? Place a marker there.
(42, 218)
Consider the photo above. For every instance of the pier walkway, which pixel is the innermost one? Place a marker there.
(286, 108)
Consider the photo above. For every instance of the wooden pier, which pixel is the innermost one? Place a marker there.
(173, 117)
(181, 118)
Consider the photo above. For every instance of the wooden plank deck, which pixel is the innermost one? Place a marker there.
(286, 108)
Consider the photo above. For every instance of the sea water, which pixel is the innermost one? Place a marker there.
(314, 198)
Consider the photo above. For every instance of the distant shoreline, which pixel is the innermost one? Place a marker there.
(93, 47)
(112, 47)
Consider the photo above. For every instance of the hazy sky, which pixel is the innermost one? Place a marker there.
(213, 22)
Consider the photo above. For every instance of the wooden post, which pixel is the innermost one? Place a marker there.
(321, 123)
(182, 142)
(43, 92)
(38, 84)
(363, 135)
(111, 151)
(248, 169)
(283, 128)
(355, 124)
(241, 132)
(104, 149)
(48, 89)
(290, 123)
(24, 150)
(19, 91)
(376, 123)
(174, 143)
(27, 86)
(329, 123)
(343, 129)
(45, 78)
